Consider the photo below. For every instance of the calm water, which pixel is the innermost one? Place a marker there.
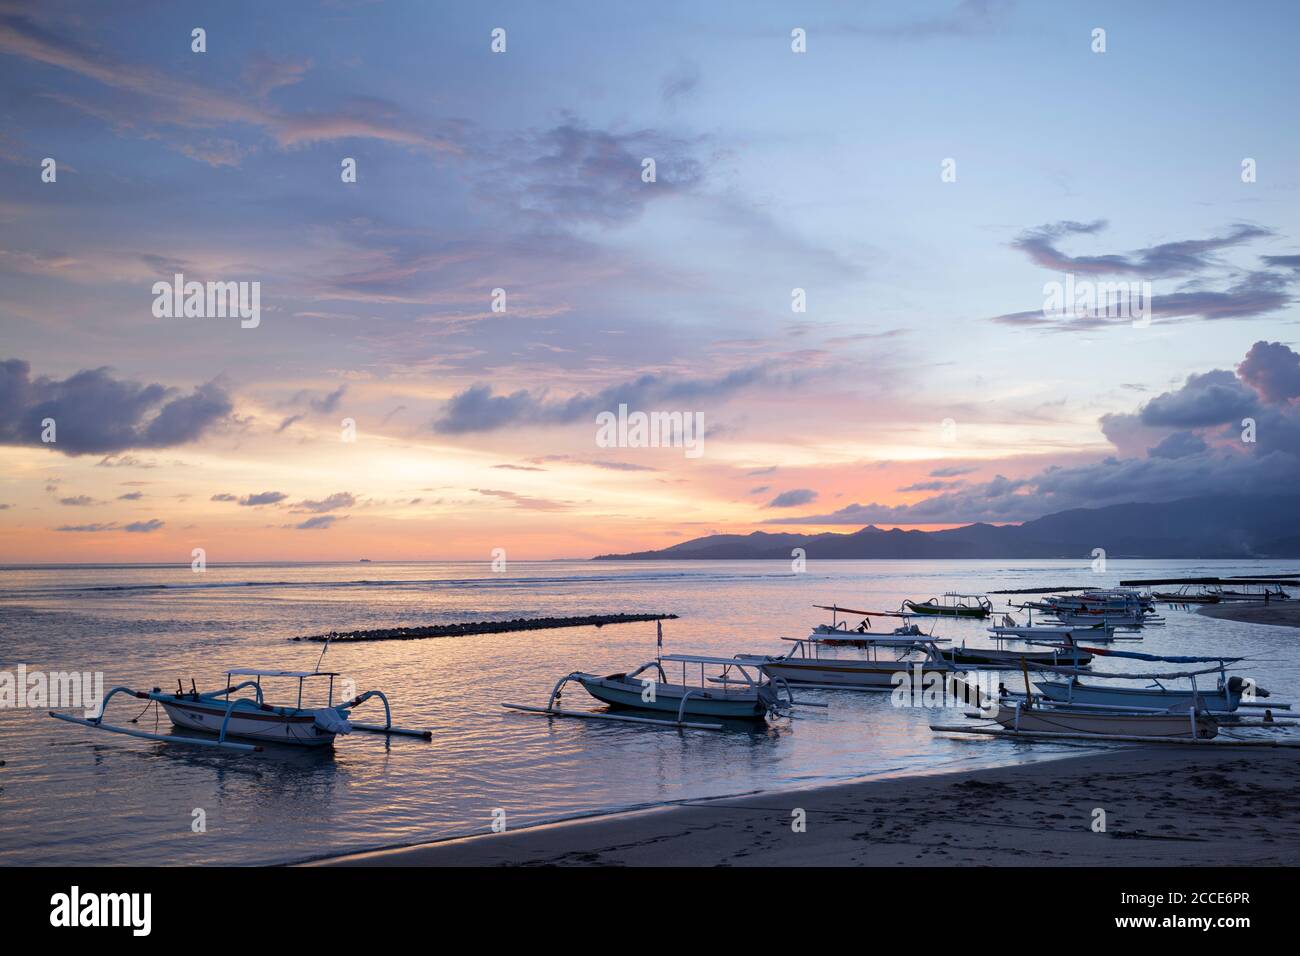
(71, 795)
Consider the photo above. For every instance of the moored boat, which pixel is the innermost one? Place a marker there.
(249, 718)
(1188, 724)
(952, 604)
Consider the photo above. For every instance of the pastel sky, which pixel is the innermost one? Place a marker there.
(522, 170)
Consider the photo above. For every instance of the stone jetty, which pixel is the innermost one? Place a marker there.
(484, 627)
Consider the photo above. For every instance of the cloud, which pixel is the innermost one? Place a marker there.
(262, 73)
(967, 18)
(1183, 443)
(1211, 398)
(329, 402)
(792, 498)
(1180, 258)
(1272, 370)
(586, 462)
(1178, 445)
(680, 83)
(953, 471)
(131, 496)
(1254, 294)
(573, 174)
(318, 523)
(262, 498)
(144, 98)
(524, 501)
(223, 497)
(334, 502)
(1250, 293)
(144, 527)
(930, 486)
(87, 528)
(80, 501)
(479, 409)
(96, 413)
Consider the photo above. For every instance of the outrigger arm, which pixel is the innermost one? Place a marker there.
(98, 724)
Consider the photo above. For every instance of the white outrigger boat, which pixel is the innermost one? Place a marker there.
(1174, 718)
(839, 633)
(804, 665)
(226, 716)
(1229, 694)
(738, 691)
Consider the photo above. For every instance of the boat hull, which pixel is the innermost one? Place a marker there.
(846, 673)
(299, 730)
(993, 657)
(1217, 701)
(1039, 720)
(734, 705)
(936, 610)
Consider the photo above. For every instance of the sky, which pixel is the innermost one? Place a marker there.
(436, 340)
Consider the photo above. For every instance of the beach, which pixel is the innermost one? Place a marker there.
(1284, 614)
(1163, 806)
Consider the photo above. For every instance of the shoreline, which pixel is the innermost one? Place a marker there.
(1281, 614)
(1163, 806)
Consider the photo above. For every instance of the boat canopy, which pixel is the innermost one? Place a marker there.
(1175, 675)
(851, 610)
(701, 659)
(876, 641)
(257, 672)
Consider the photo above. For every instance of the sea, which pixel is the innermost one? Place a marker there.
(70, 795)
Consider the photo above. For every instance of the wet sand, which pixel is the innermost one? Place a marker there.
(1164, 806)
(1283, 614)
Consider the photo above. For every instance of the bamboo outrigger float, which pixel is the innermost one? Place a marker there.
(248, 718)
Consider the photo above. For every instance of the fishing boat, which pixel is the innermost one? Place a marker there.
(1251, 593)
(1227, 696)
(952, 604)
(1187, 594)
(1187, 725)
(805, 665)
(1063, 633)
(1003, 659)
(840, 633)
(737, 692)
(249, 717)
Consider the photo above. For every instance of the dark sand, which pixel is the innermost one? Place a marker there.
(1165, 806)
(1284, 613)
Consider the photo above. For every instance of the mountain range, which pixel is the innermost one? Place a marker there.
(1244, 526)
